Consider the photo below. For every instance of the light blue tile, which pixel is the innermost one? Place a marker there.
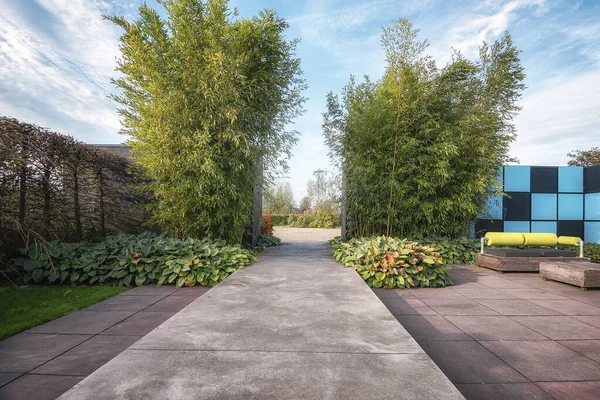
(516, 226)
(592, 207)
(570, 207)
(543, 206)
(570, 179)
(592, 232)
(493, 208)
(543, 226)
(517, 178)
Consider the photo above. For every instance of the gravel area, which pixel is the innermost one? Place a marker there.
(318, 234)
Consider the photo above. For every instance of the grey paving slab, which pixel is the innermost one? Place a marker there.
(263, 375)
(24, 352)
(125, 302)
(545, 360)
(295, 325)
(38, 387)
(88, 356)
(83, 322)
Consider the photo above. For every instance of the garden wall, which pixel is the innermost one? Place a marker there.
(562, 200)
(55, 187)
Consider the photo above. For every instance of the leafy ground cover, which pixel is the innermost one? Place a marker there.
(124, 260)
(393, 263)
(25, 307)
(266, 241)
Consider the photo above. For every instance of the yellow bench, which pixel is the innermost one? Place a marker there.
(529, 239)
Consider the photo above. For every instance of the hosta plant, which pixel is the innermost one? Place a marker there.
(265, 241)
(126, 260)
(385, 262)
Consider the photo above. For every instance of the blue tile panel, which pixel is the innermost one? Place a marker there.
(570, 206)
(516, 226)
(592, 207)
(517, 178)
(543, 206)
(543, 226)
(570, 179)
(493, 208)
(592, 232)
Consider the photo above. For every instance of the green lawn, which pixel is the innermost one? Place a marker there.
(25, 307)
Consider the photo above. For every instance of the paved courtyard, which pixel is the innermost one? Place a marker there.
(506, 336)
(46, 361)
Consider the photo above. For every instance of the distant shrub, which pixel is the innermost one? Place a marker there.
(266, 226)
(279, 220)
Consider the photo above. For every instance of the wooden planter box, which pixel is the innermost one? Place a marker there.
(585, 275)
(520, 264)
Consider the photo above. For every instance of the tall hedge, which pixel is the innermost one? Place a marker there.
(207, 98)
(420, 148)
(55, 187)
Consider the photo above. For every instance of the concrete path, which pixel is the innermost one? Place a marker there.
(296, 325)
(44, 362)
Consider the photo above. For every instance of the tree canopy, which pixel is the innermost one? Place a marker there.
(419, 149)
(207, 97)
(585, 158)
(279, 198)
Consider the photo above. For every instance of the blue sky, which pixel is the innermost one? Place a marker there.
(57, 56)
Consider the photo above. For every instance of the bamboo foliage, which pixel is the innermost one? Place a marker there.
(206, 98)
(55, 187)
(420, 148)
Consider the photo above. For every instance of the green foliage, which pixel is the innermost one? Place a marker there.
(453, 251)
(420, 148)
(266, 225)
(126, 260)
(279, 199)
(389, 263)
(585, 158)
(300, 220)
(590, 250)
(207, 97)
(279, 220)
(325, 218)
(266, 241)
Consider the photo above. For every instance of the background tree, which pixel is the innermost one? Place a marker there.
(323, 190)
(279, 200)
(206, 99)
(585, 158)
(305, 204)
(420, 148)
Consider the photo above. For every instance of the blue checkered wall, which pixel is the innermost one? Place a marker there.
(562, 200)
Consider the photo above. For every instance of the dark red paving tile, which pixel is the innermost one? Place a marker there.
(88, 356)
(151, 290)
(497, 327)
(435, 293)
(196, 290)
(468, 285)
(393, 293)
(502, 391)
(487, 293)
(461, 306)
(464, 361)
(499, 283)
(125, 303)
(593, 320)
(171, 303)
(139, 324)
(559, 327)
(408, 307)
(589, 348)
(431, 327)
(82, 322)
(572, 390)
(545, 360)
(38, 387)
(516, 307)
(5, 378)
(24, 352)
(568, 307)
(532, 293)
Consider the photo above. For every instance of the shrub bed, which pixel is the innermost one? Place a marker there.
(266, 241)
(590, 250)
(124, 260)
(385, 262)
(453, 251)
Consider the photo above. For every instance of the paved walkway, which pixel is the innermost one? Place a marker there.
(46, 361)
(507, 336)
(296, 325)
